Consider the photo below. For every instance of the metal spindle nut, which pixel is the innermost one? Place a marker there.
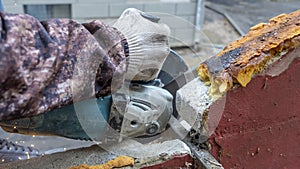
(152, 128)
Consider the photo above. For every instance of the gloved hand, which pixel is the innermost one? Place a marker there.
(148, 48)
(148, 43)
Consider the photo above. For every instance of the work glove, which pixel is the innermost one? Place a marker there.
(148, 43)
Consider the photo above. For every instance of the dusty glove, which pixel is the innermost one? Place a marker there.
(148, 44)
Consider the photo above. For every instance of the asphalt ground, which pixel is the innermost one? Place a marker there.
(247, 13)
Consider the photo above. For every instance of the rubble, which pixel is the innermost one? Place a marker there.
(173, 153)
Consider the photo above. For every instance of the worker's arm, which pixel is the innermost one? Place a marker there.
(47, 65)
(43, 65)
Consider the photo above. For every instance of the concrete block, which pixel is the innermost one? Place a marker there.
(186, 8)
(145, 1)
(89, 10)
(175, 1)
(172, 41)
(191, 102)
(160, 7)
(175, 22)
(261, 116)
(45, 2)
(172, 34)
(14, 9)
(186, 36)
(192, 19)
(147, 155)
(101, 1)
(115, 10)
(180, 43)
(61, 11)
(9, 2)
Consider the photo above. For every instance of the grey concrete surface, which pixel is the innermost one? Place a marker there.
(145, 155)
(64, 160)
(45, 144)
(192, 100)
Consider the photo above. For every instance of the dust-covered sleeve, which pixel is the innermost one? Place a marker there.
(50, 64)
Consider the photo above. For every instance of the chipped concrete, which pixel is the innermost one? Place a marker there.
(192, 101)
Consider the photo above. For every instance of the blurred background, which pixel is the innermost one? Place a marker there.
(199, 28)
(241, 14)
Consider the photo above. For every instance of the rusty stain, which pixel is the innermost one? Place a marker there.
(240, 60)
(120, 161)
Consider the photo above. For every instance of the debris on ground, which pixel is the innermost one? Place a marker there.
(120, 161)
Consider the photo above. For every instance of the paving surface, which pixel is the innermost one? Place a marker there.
(145, 155)
(246, 14)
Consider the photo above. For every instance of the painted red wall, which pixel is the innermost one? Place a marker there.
(260, 125)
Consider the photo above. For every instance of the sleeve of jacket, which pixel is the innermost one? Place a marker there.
(49, 64)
